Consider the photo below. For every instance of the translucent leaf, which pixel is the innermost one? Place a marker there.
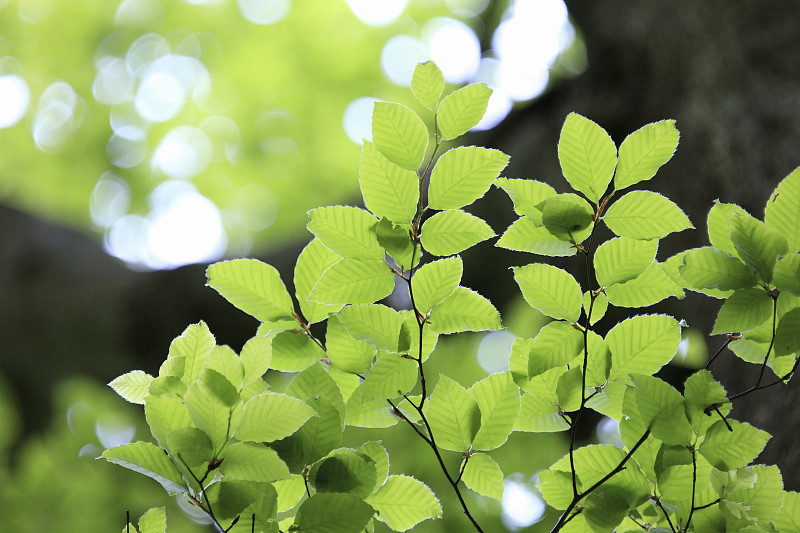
(729, 450)
(315, 382)
(599, 307)
(375, 451)
(344, 471)
(526, 194)
(354, 281)
(149, 460)
(645, 215)
(410, 332)
(556, 488)
(644, 151)
(643, 344)
(271, 416)
(756, 353)
(745, 310)
(225, 361)
(551, 290)
(396, 240)
(133, 386)
(374, 324)
(333, 513)
(498, 400)
(789, 517)
(719, 232)
(484, 476)
(781, 211)
(399, 134)
(568, 217)
(252, 462)
(604, 509)
(211, 402)
(462, 175)
(194, 345)
(317, 437)
(347, 231)
(450, 232)
(464, 310)
(315, 259)
(556, 344)
(757, 244)
(649, 288)
(163, 415)
(403, 502)
(524, 235)
(346, 352)
(707, 267)
(702, 391)
(388, 190)
(453, 414)
(661, 408)
(427, 84)
(191, 446)
(391, 376)
(256, 357)
(292, 352)
(762, 500)
(373, 414)
(787, 336)
(153, 521)
(587, 155)
(539, 415)
(252, 286)
(620, 259)
(787, 274)
(568, 389)
(435, 281)
(462, 109)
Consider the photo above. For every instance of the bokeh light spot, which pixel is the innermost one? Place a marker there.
(494, 350)
(357, 119)
(14, 99)
(377, 12)
(58, 114)
(110, 200)
(183, 153)
(454, 47)
(264, 12)
(522, 507)
(400, 56)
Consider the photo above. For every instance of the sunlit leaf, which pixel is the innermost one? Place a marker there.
(435, 281)
(256, 357)
(252, 462)
(568, 389)
(399, 134)
(462, 175)
(551, 290)
(150, 460)
(526, 194)
(661, 408)
(191, 446)
(464, 310)
(781, 211)
(598, 308)
(346, 352)
(396, 240)
(556, 344)
(762, 500)
(225, 361)
(568, 217)
(315, 259)
(787, 336)
(153, 521)
(643, 344)
(789, 517)
(163, 415)
(391, 376)
(315, 382)
(462, 109)
(133, 386)
(373, 414)
(347, 231)
(292, 352)
(498, 400)
(450, 232)
(728, 450)
(194, 345)
(344, 471)
(787, 274)
(211, 402)
(427, 84)
(374, 324)
(333, 513)
(375, 452)
(524, 235)
(719, 232)
(650, 287)
(313, 440)
(707, 267)
(745, 310)
(453, 414)
(271, 416)
(645, 215)
(252, 286)
(644, 151)
(604, 509)
(539, 415)
(388, 190)
(620, 259)
(484, 476)
(757, 244)
(587, 155)
(403, 502)
(354, 281)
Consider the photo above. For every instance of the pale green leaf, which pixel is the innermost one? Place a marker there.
(346, 352)
(745, 310)
(149, 460)
(644, 151)
(568, 217)
(374, 324)
(462, 109)
(587, 155)
(672, 266)
(399, 134)
(756, 353)
(598, 307)
(781, 211)
(789, 517)
(604, 509)
(194, 345)
(568, 389)
(427, 84)
(661, 408)
(787, 274)
(344, 471)
(396, 240)
(271, 416)
(539, 415)
(762, 500)
(524, 235)
(163, 415)
(462, 175)
(710, 268)
(727, 450)
(388, 190)
(645, 215)
(289, 492)
(373, 414)
(526, 194)
(643, 344)
(498, 400)
(621, 259)
(225, 361)
(347, 231)
(403, 502)
(391, 376)
(484, 476)
(757, 244)
(464, 310)
(133, 386)
(153, 521)
(292, 352)
(333, 513)
(551, 290)
(313, 440)
(252, 286)
(787, 336)
(556, 344)
(410, 333)
(556, 488)
(354, 281)
(719, 232)
(252, 462)
(649, 288)
(211, 402)
(315, 259)
(435, 281)
(453, 414)
(377, 454)
(315, 382)
(191, 446)
(256, 357)
(450, 232)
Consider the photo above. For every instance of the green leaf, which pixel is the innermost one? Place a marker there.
(568, 217)
(604, 509)
(346, 352)
(391, 376)
(464, 310)
(587, 155)
(484, 476)
(252, 462)
(403, 502)
(719, 232)
(645, 215)
(729, 450)
(462, 110)
(707, 267)
(524, 235)
(498, 401)
(292, 352)
(551, 290)
(153, 521)
(134, 386)
(701, 392)
(374, 324)
(526, 194)
(191, 446)
(163, 415)
(599, 307)
(315, 382)
(252, 286)
(347, 231)
(224, 360)
(789, 517)
(373, 414)
(787, 336)
(435, 281)
(556, 488)
(388, 190)
(763, 499)
(539, 415)
(781, 211)
(556, 344)
(427, 84)
(211, 402)
(256, 357)
(333, 513)
(620, 259)
(462, 175)
(194, 345)
(317, 437)
(453, 414)
(315, 259)
(344, 471)
(271, 416)
(377, 454)
(649, 288)
(661, 408)
(757, 244)
(399, 134)
(354, 281)
(644, 151)
(149, 460)
(643, 344)
(396, 240)
(568, 389)
(450, 232)
(745, 310)
(787, 274)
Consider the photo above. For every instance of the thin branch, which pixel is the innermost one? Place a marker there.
(666, 515)
(706, 506)
(208, 510)
(758, 386)
(731, 337)
(694, 488)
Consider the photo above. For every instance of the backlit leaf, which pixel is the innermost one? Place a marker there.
(315, 382)
(539, 415)
(524, 235)
(644, 151)
(271, 416)
(462, 109)
(374, 324)
(346, 352)
(719, 227)
(435, 281)
(649, 288)
(464, 310)
(556, 344)
(643, 344)
(453, 414)
(745, 310)
(787, 336)
(313, 440)
(292, 352)
(450, 232)
(211, 402)
(781, 211)
(153, 521)
(620, 259)
(315, 259)
(347, 231)
(598, 308)
(353, 281)
(568, 217)
(661, 408)
(252, 462)
(372, 414)
(333, 513)
(757, 244)
(707, 267)
(252, 286)
(427, 84)
(344, 471)
(462, 175)
(256, 357)
(396, 240)
(403, 502)
(390, 377)
(787, 274)
(484, 476)
(551, 290)
(133, 386)
(728, 450)
(194, 345)
(526, 194)
(498, 400)
(399, 134)
(163, 415)
(388, 190)
(587, 155)
(150, 460)
(645, 215)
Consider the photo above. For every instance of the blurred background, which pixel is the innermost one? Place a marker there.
(141, 140)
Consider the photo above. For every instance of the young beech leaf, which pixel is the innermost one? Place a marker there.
(252, 462)
(403, 502)
(787, 274)
(526, 194)
(345, 351)
(214, 406)
(462, 175)
(644, 151)
(399, 134)
(396, 240)
(353, 281)
(643, 344)
(391, 376)
(781, 212)
(568, 217)
(745, 310)
(556, 488)
(256, 357)
(453, 414)
(344, 471)
(163, 415)
(728, 450)
(150, 460)
(347, 231)
(194, 345)
(719, 233)
(451, 232)
(587, 155)
(388, 190)
(427, 84)
(484, 476)
(271, 416)
(252, 286)
(133, 386)
(373, 414)
(762, 500)
(787, 336)
(333, 513)
(376, 454)
(464, 310)
(556, 344)
(315, 382)
(598, 308)
(661, 408)
(789, 517)
(710, 268)
(374, 324)
(605, 509)
(648, 288)
(568, 389)
(551, 290)
(525, 235)
(153, 521)
(621, 259)
(315, 259)
(462, 109)
(498, 401)
(435, 281)
(539, 415)
(225, 361)
(314, 439)
(645, 215)
(292, 352)
(757, 244)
